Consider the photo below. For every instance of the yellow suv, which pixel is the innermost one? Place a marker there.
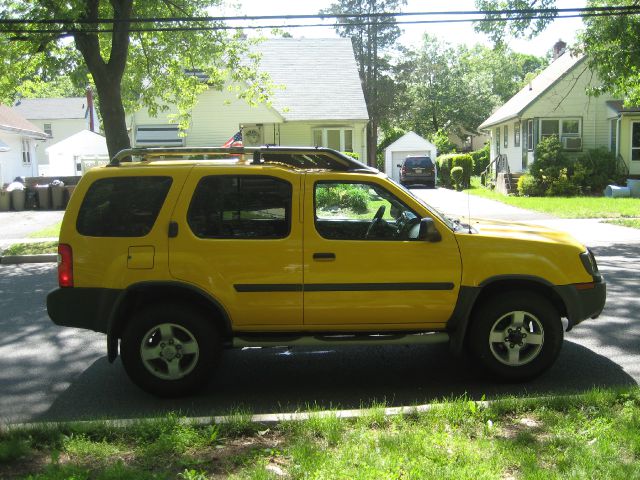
(178, 253)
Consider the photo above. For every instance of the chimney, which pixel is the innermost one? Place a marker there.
(90, 108)
(558, 49)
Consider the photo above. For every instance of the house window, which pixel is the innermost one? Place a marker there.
(340, 139)
(26, 151)
(498, 141)
(158, 136)
(506, 136)
(635, 141)
(516, 134)
(561, 128)
(530, 135)
(47, 130)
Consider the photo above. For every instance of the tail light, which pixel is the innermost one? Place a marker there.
(403, 170)
(65, 265)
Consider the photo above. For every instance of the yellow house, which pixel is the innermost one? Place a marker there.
(318, 101)
(556, 102)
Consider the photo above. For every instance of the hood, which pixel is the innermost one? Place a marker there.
(524, 232)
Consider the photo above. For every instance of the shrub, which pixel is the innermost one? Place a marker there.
(342, 196)
(595, 169)
(563, 186)
(465, 162)
(457, 177)
(444, 163)
(480, 159)
(529, 187)
(549, 161)
(354, 155)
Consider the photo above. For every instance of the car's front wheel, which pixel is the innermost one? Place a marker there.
(170, 350)
(516, 336)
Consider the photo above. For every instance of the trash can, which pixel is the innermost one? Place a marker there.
(44, 199)
(31, 198)
(57, 197)
(5, 201)
(69, 189)
(614, 191)
(17, 199)
(634, 187)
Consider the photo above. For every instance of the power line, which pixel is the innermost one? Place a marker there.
(620, 9)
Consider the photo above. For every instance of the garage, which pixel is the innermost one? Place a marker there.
(409, 144)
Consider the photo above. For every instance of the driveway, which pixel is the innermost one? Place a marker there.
(15, 226)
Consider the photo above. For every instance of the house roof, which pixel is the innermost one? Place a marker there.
(84, 141)
(320, 76)
(618, 106)
(516, 105)
(12, 121)
(410, 141)
(52, 108)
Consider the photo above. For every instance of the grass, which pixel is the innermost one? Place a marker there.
(31, 248)
(572, 207)
(51, 231)
(593, 435)
(626, 222)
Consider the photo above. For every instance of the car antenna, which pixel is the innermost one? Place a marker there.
(469, 211)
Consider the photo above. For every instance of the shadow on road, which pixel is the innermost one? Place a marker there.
(278, 380)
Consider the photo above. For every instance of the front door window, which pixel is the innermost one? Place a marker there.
(635, 141)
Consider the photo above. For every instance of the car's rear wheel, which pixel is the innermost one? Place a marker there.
(170, 350)
(516, 336)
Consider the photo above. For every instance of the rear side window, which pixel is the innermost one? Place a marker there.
(122, 206)
(420, 162)
(241, 206)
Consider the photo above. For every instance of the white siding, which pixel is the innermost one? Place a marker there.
(60, 129)
(11, 165)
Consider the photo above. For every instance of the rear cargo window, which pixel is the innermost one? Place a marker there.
(241, 207)
(122, 206)
(421, 162)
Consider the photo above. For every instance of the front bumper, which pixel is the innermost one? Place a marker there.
(583, 301)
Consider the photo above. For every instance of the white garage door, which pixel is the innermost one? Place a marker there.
(398, 157)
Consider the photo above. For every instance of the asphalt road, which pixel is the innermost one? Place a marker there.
(50, 373)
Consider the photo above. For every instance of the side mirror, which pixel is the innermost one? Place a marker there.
(399, 166)
(428, 231)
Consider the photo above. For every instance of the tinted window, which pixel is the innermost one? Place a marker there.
(122, 206)
(250, 207)
(420, 162)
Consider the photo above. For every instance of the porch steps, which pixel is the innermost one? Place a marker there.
(507, 183)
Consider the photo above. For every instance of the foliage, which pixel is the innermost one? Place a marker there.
(31, 248)
(130, 70)
(481, 159)
(595, 169)
(552, 168)
(445, 164)
(529, 187)
(354, 155)
(371, 38)
(457, 177)
(342, 196)
(453, 89)
(37, 87)
(626, 222)
(441, 140)
(464, 161)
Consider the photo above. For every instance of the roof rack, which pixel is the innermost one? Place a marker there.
(297, 157)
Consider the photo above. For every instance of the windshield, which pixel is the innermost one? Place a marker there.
(446, 220)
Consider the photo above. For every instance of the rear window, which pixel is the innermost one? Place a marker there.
(122, 206)
(420, 162)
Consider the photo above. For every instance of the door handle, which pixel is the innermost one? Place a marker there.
(324, 256)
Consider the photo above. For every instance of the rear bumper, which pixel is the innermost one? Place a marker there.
(88, 308)
(583, 301)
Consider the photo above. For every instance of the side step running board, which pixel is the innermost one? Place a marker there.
(339, 340)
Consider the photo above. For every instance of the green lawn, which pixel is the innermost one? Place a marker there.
(34, 248)
(573, 207)
(593, 435)
(51, 231)
(626, 222)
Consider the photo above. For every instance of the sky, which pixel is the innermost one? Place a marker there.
(461, 33)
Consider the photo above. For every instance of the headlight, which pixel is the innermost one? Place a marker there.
(589, 262)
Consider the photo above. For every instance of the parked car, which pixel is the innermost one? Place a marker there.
(191, 251)
(418, 170)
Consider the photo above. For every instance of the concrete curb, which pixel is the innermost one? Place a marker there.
(40, 258)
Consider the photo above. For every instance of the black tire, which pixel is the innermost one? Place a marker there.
(183, 347)
(516, 354)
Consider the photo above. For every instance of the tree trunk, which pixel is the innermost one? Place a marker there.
(113, 116)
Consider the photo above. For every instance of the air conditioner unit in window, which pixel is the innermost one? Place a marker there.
(572, 143)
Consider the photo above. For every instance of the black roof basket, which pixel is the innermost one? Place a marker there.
(296, 157)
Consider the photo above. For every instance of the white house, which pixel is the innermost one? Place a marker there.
(318, 101)
(409, 144)
(556, 103)
(19, 145)
(59, 118)
(77, 154)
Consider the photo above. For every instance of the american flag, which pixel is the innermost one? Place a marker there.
(235, 141)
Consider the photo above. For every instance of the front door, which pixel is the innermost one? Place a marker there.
(239, 238)
(364, 265)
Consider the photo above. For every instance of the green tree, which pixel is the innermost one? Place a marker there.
(372, 37)
(58, 87)
(129, 68)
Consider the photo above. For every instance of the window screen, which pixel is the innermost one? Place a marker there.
(249, 207)
(122, 206)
